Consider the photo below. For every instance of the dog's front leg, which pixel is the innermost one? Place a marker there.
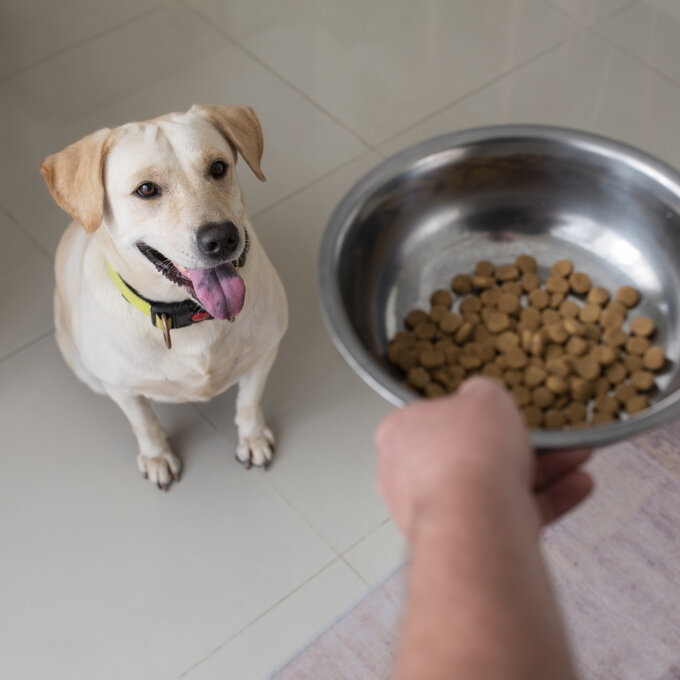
(155, 460)
(255, 439)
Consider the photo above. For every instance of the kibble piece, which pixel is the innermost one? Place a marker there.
(408, 360)
(432, 358)
(414, 317)
(441, 297)
(492, 371)
(606, 403)
(624, 391)
(521, 394)
(508, 303)
(550, 316)
(512, 287)
(497, 322)
(526, 263)
(598, 296)
(642, 380)
(617, 372)
(487, 351)
(461, 284)
(643, 326)
(636, 403)
(587, 367)
(450, 322)
(490, 297)
(530, 281)
(590, 313)
(654, 358)
(628, 296)
(395, 351)
(434, 390)
(579, 283)
(569, 309)
(619, 307)
(602, 386)
(507, 341)
(539, 298)
(507, 272)
(556, 384)
(483, 281)
(562, 268)
(534, 376)
(615, 337)
(637, 345)
(573, 326)
(533, 416)
(612, 318)
(553, 351)
(437, 313)
(576, 412)
(470, 362)
(484, 268)
(592, 332)
(556, 299)
(516, 357)
(542, 397)
(530, 317)
(633, 363)
(425, 330)
(404, 338)
(553, 419)
(464, 332)
(472, 317)
(501, 361)
(457, 373)
(470, 304)
(538, 343)
(418, 377)
(601, 418)
(559, 366)
(576, 347)
(512, 377)
(581, 390)
(557, 333)
(556, 284)
(605, 354)
(482, 333)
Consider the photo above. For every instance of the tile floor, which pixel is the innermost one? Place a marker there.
(230, 573)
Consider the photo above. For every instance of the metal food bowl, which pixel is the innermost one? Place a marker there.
(435, 209)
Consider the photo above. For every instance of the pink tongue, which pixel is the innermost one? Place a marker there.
(220, 289)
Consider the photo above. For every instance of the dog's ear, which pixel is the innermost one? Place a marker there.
(75, 177)
(240, 126)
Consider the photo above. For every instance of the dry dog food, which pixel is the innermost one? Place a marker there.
(560, 346)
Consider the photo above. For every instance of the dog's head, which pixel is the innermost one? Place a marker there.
(167, 192)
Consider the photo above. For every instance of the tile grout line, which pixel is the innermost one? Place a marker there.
(279, 76)
(26, 233)
(602, 19)
(30, 343)
(260, 616)
(459, 100)
(64, 50)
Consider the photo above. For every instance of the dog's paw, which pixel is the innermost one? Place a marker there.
(162, 470)
(256, 450)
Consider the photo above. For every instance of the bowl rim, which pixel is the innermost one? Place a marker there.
(362, 361)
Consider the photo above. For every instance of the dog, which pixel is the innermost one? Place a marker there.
(163, 291)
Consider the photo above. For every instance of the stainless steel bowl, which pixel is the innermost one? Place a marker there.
(493, 193)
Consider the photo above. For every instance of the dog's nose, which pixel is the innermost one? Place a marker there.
(218, 239)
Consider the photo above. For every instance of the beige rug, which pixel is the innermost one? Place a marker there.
(616, 569)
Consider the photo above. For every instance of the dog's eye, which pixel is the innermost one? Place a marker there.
(147, 190)
(218, 169)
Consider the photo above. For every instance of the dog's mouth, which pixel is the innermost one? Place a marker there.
(219, 289)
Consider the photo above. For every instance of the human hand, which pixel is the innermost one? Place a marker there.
(426, 449)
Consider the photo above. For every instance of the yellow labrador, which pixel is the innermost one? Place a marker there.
(162, 289)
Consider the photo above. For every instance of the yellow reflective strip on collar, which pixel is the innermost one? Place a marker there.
(135, 300)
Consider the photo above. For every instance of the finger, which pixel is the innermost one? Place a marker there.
(551, 465)
(564, 495)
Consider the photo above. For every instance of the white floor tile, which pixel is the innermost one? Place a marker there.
(26, 281)
(31, 31)
(54, 104)
(585, 84)
(650, 34)
(267, 644)
(379, 554)
(102, 574)
(322, 414)
(380, 66)
(591, 11)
